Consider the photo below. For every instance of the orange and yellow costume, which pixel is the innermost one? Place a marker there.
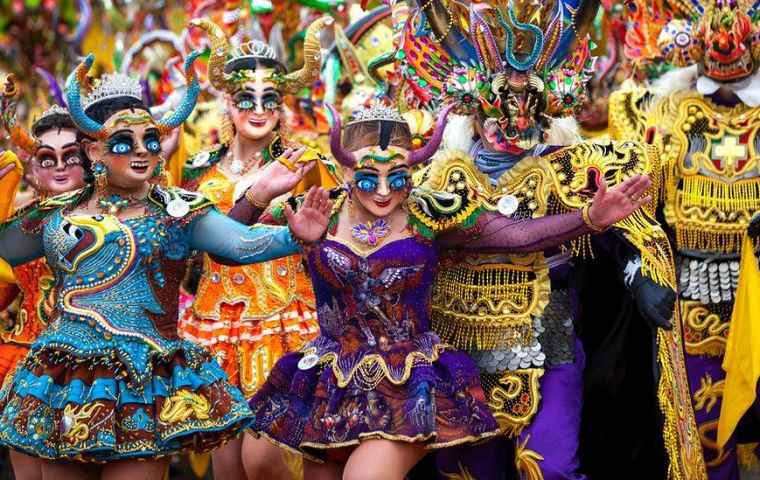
(248, 316)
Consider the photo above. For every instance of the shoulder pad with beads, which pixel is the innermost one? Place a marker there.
(569, 177)
(629, 117)
(450, 192)
(163, 197)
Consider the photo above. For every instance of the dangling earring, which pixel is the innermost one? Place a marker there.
(160, 173)
(227, 130)
(99, 172)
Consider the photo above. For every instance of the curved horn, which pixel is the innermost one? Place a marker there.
(418, 156)
(74, 98)
(220, 49)
(187, 104)
(312, 59)
(441, 22)
(347, 159)
(19, 136)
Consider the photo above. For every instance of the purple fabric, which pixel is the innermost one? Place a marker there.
(558, 417)
(553, 433)
(496, 233)
(719, 466)
(376, 305)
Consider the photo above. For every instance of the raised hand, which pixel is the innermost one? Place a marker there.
(310, 223)
(280, 177)
(611, 206)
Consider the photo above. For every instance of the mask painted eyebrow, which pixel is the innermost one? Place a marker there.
(397, 168)
(69, 145)
(371, 169)
(45, 147)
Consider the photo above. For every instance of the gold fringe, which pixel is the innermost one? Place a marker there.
(747, 457)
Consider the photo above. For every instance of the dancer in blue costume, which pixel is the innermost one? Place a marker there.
(111, 381)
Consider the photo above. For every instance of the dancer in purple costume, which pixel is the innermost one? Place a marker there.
(377, 387)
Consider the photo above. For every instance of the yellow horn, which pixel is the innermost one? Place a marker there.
(220, 49)
(312, 60)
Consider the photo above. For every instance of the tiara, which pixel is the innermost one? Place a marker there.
(254, 48)
(113, 85)
(53, 110)
(378, 112)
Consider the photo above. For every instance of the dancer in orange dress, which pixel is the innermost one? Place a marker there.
(249, 316)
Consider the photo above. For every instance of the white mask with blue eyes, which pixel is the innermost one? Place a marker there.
(123, 143)
(368, 182)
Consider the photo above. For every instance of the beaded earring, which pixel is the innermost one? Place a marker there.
(99, 172)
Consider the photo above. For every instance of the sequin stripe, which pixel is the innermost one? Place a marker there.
(372, 361)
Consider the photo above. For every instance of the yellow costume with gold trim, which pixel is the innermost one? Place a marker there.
(711, 190)
(502, 308)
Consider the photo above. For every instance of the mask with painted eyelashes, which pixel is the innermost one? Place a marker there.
(367, 182)
(270, 103)
(123, 143)
(71, 160)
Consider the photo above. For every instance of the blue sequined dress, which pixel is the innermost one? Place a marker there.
(111, 378)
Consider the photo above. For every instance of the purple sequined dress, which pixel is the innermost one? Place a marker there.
(376, 370)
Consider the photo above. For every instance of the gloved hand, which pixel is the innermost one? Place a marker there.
(656, 302)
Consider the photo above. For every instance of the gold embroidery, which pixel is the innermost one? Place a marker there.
(513, 398)
(72, 426)
(711, 185)
(747, 457)
(488, 305)
(183, 404)
(707, 395)
(526, 462)
(705, 328)
(710, 444)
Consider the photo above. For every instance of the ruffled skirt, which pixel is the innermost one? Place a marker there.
(247, 349)
(71, 408)
(439, 403)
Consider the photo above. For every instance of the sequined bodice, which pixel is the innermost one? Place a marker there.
(262, 288)
(115, 279)
(381, 299)
(712, 186)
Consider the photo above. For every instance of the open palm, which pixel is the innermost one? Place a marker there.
(310, 223)
(278, 178)
(611, 206)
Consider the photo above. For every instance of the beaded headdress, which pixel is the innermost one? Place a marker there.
(380, 112)
(518, 45)
(119, 85)
(221, 57)
(721, 36)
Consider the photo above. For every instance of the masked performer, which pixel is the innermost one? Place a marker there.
(56, 168)
(110, 380)
(515, 314)
(377, 386)
(705, 119)
(249, 316)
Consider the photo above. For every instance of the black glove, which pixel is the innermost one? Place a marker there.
(754, 226)
(656, 302)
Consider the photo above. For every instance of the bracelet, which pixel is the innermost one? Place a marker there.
(588, 222)
(254, 202)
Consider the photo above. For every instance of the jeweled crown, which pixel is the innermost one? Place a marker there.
(53, 110)
(254, 48)
(113, 85)
(377, 112)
